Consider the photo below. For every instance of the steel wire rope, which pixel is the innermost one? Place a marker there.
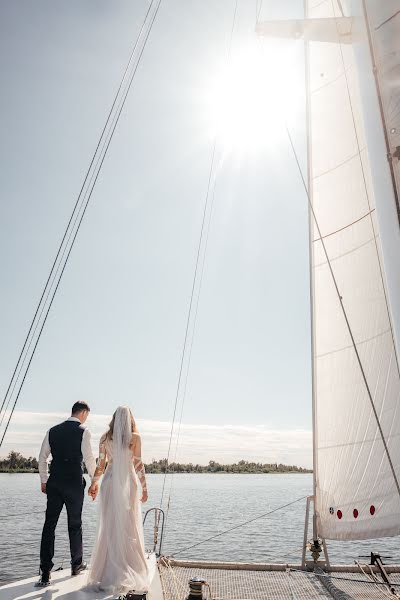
(98, 152)
(73, 213)
(343, 310)
(85, 207)
(188, 321)
(212, 537)
(191, 348)
(69, 229)
(101, 145)
(211, 169)
(387, 20)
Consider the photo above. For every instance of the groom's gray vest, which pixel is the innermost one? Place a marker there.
(65, 442)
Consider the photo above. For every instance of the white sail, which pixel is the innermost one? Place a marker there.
(356, 373)
(357, 385)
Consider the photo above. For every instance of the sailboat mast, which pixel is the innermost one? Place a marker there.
(381, 107)
(311, 274)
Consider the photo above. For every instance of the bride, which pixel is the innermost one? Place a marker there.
(118, 562)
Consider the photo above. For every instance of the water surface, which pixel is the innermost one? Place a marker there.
(201, 505)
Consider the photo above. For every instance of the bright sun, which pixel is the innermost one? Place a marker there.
(251, 97)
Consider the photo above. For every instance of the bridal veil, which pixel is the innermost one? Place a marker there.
(118, 562)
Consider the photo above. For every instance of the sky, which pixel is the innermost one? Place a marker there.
(115, 332)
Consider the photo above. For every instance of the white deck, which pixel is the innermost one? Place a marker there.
(228, 581)
(70, 588)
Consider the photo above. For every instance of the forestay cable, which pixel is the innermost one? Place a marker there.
(189, 315)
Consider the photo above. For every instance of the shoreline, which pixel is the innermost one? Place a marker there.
(305, 472)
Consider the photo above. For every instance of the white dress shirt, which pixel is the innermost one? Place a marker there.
(86, 448)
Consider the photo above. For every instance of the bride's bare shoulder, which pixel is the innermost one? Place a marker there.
(103, 438)
(135, 440)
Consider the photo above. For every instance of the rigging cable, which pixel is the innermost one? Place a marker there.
(191, 346)
(212, 537)
(188, 320)
(343, 309)
(72, 221)
(100, 159)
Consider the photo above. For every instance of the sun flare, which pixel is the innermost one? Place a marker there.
(251, 97)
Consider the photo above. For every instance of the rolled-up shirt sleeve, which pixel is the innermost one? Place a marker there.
(43, 456)
(87, 453)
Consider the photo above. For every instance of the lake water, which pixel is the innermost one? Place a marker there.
(201, 505)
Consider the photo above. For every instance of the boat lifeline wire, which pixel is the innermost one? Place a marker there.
(212, 537)
(76, 220)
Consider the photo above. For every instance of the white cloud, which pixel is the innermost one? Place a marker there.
(198, 442)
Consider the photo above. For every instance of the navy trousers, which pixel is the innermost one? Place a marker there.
(59, 492)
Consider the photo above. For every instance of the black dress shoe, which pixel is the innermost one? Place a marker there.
(79, 568)
(45, 579)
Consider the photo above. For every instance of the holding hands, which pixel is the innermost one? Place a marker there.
(93, 490)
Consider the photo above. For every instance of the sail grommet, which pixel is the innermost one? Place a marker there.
(355, 513)
(339, 514)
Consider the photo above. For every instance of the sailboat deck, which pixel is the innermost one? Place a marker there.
(232, 584)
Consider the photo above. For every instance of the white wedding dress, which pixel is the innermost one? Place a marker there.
(118, 562)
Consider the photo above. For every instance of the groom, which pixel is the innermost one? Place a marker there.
(69, 445)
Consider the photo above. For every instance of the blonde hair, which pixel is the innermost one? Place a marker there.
(110, 431)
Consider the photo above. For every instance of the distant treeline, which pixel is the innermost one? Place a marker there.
(16, 463)
(243, 466)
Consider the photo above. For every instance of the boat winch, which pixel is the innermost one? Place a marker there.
(196, 588)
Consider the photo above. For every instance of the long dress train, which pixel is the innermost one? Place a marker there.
(118, 562)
